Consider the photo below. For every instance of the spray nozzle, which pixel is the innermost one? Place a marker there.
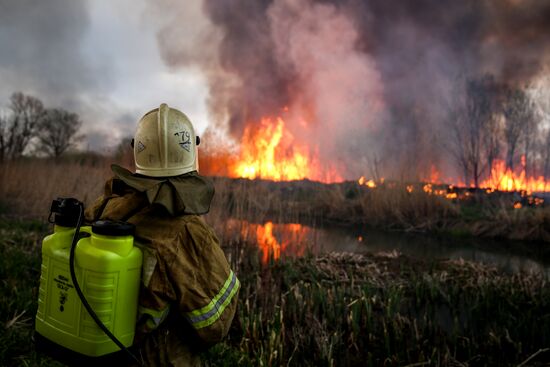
(66, 211)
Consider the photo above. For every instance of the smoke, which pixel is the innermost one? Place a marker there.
(367, 84)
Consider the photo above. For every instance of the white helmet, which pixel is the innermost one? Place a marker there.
(165, 143)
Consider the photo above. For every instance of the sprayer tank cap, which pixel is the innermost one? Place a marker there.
(113, 228)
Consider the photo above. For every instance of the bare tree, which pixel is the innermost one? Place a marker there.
(529, 134)
(58, 131)
(516, 110)
(458, 148)
(539, 93)
(20, 126)
(492, 136)
(475, 128)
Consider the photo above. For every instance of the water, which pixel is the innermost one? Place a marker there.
(283, 240)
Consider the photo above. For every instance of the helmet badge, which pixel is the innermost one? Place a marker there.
(185, 142)
(140, 147)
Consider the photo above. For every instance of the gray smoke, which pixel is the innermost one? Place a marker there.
(366, 83)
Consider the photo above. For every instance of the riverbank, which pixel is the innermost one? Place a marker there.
(333, 309)
(391, 206)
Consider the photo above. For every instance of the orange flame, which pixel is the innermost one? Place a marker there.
(270, 151)
(370, 183)
(504, 179)
(434, 175)
(500, 178)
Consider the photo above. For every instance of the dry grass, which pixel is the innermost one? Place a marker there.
(28, 186)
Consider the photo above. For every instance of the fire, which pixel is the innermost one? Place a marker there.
(504, 179)
(434, 175)
(451, 195)
(270, 151)
(370, 183)
(428, 188)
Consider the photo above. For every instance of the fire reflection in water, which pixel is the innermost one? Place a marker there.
(274, 240)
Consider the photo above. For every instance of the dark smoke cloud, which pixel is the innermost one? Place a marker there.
(372, 78)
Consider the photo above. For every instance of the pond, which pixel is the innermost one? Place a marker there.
(292, 239)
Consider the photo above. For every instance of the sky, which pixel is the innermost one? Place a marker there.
(97, 58)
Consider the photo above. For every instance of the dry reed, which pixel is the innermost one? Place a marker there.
(28, 186)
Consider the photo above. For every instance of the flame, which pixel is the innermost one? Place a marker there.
(428, 188)
(434, 175)
(505, 179)
(370, 183)
(451, 195)
(270, 151)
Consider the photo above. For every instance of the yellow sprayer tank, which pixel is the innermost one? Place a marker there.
(108, 269)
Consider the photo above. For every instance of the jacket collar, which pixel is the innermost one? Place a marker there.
(189, 193)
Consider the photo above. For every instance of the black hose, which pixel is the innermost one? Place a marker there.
(83, 298)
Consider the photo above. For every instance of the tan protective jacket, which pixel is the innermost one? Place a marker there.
(188, 294)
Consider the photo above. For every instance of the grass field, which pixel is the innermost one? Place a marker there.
(331, 310)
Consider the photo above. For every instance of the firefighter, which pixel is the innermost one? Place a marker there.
(188, 292)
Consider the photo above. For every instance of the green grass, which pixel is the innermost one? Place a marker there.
(349, 310)
(19, 274)
(330, 310)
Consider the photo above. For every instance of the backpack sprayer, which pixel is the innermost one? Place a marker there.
(89, 283)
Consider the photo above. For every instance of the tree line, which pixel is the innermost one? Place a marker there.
(27, 127)
(492, 121)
